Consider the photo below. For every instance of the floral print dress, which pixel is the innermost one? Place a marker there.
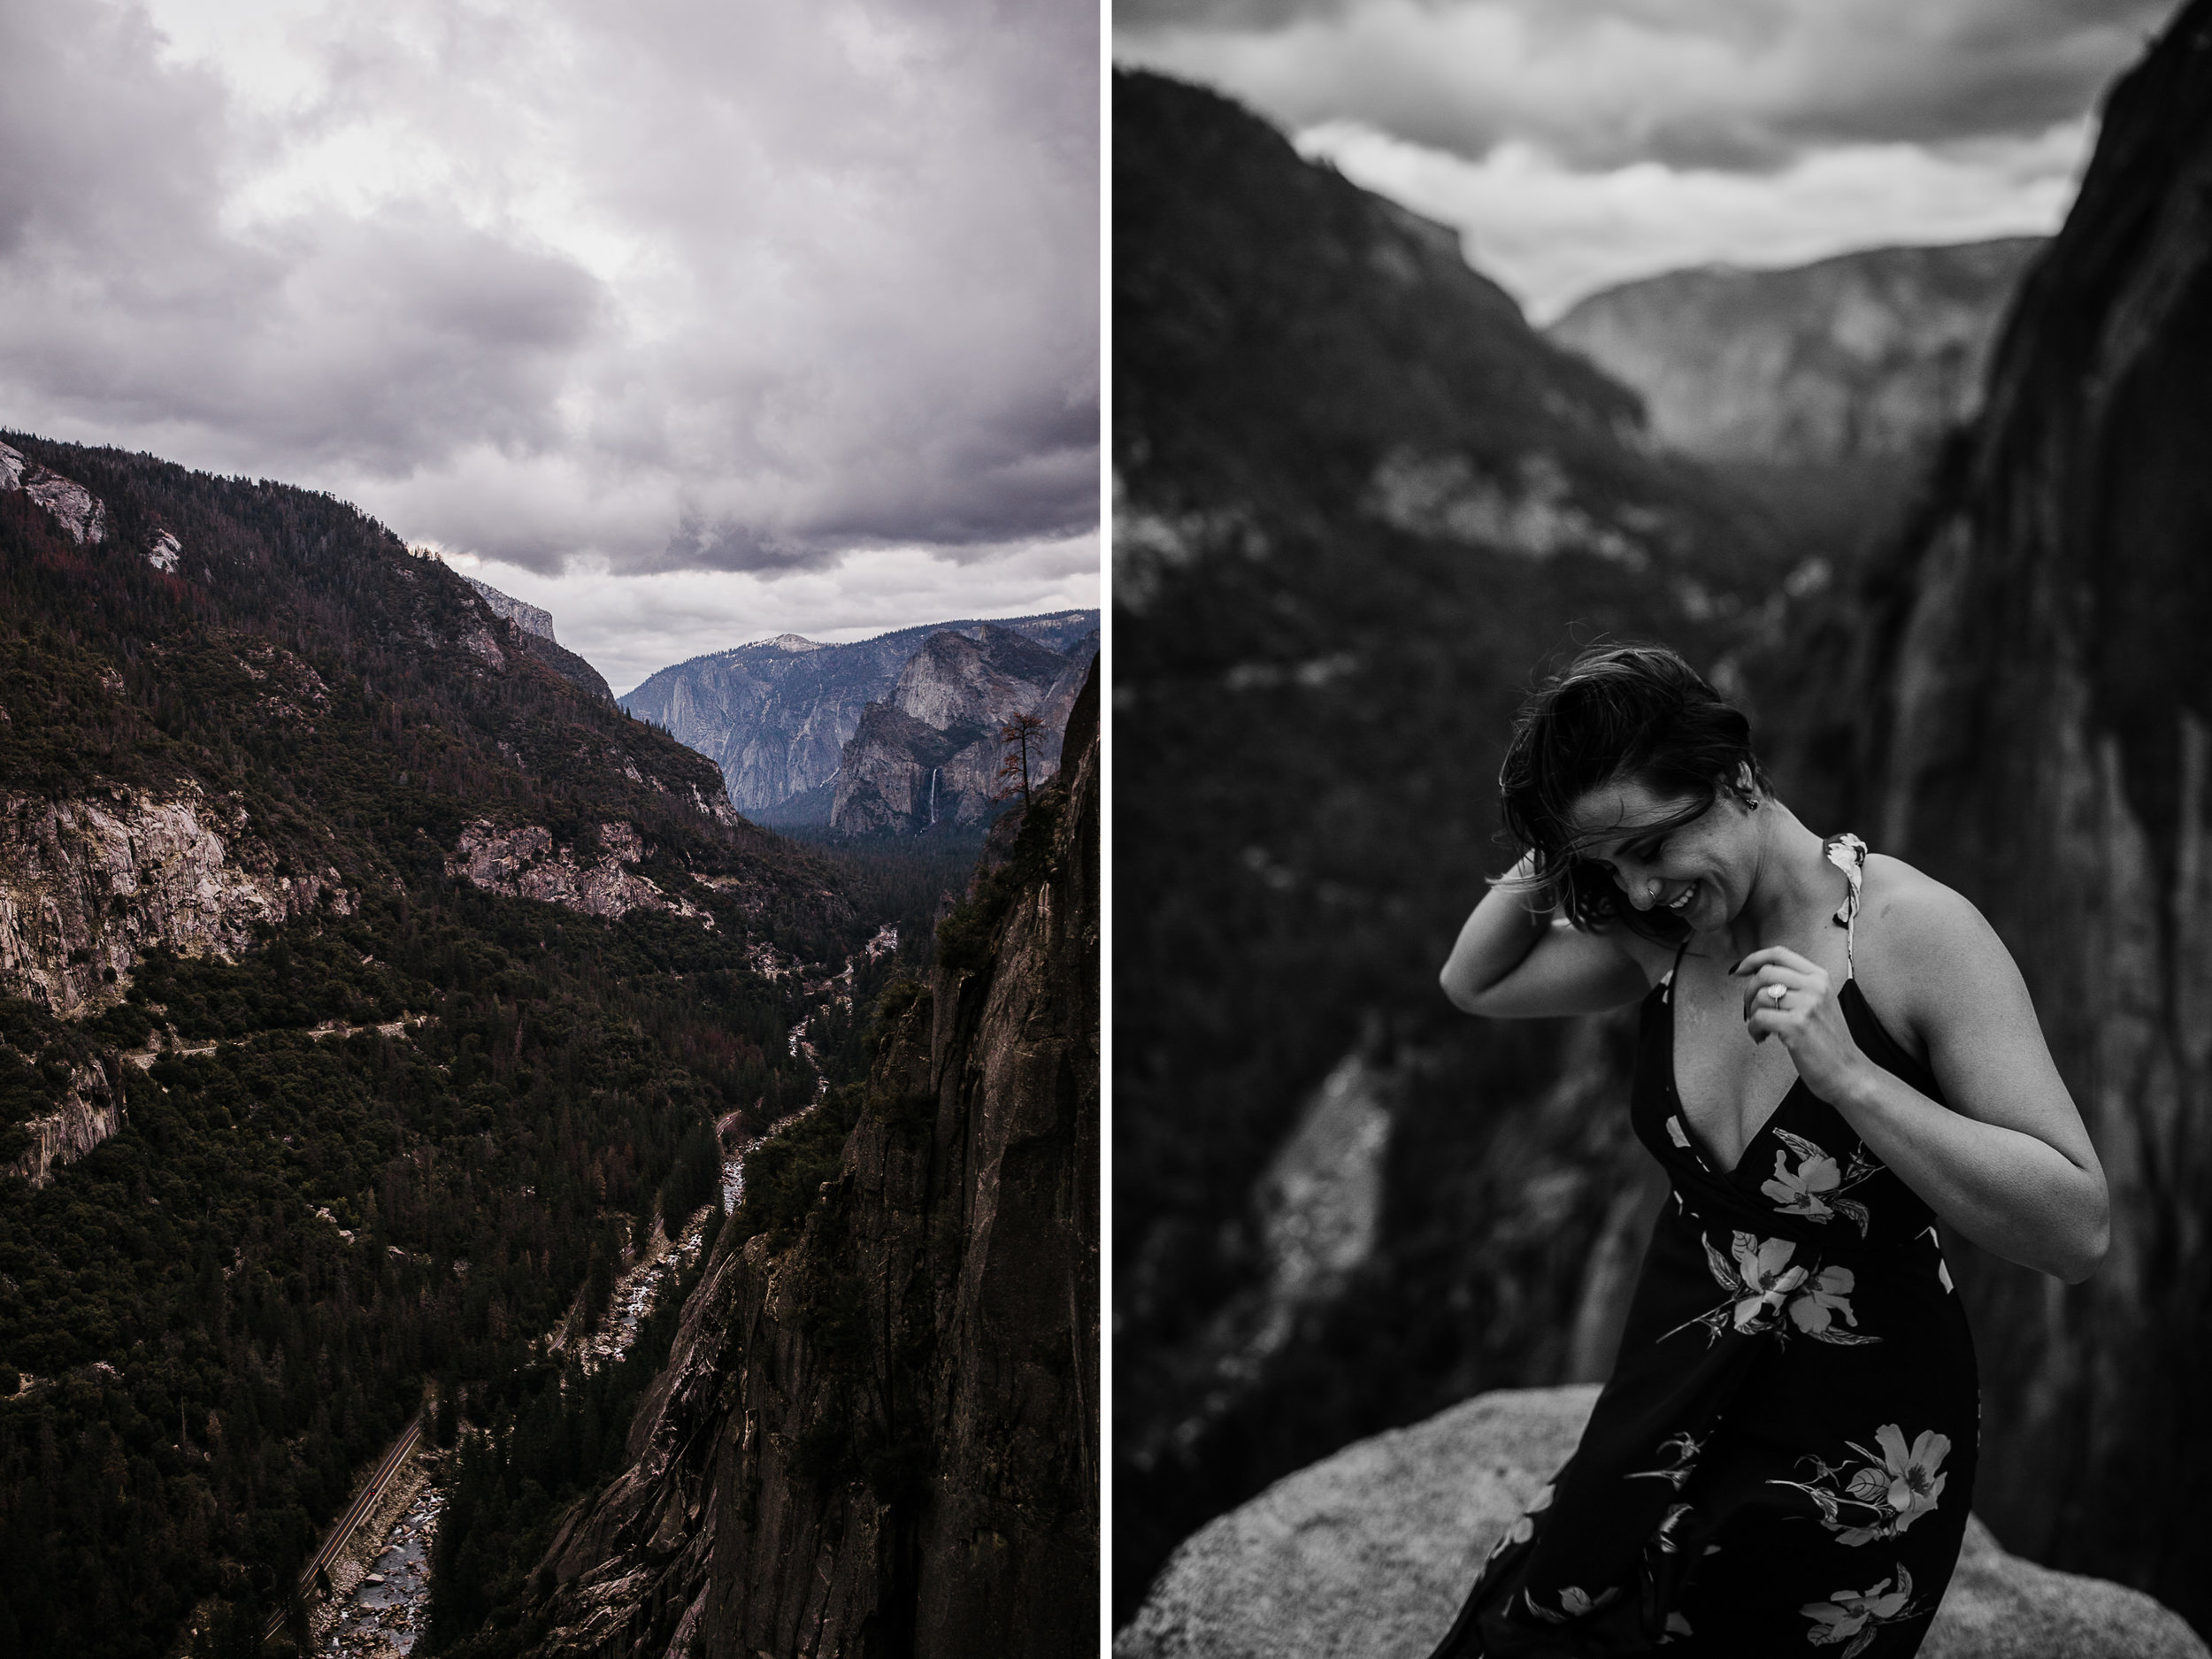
(1784, 1457)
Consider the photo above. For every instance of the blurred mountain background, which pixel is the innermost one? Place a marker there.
(1818, 391)
(1927, 517)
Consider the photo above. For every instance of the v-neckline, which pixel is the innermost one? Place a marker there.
(1690, 1131)
(1847, 853)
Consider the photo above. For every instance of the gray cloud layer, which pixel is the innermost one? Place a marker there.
(670, 282)
(1733, 84)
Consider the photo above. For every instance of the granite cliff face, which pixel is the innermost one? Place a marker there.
(880, 1438)
(87, 883)
(89, 1110)
(931, 753)
(1868, 354)
(775, 716)
(2034, 719)
(75, 509)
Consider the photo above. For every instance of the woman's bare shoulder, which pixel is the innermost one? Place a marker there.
(1919, 938)
(1914, 913)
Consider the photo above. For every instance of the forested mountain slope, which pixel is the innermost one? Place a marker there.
(366, 986)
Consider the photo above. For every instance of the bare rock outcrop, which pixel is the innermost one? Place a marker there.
(899, 772)
(525, 863)
(76, 509)
(86, 884)
(90, 1111)
(1367, 1554)
(533, 628)
(529, 618)
(962, 1234)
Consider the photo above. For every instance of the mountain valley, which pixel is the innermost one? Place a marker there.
(376, 998)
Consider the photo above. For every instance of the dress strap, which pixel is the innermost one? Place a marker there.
(1847, 853)
(1667, 978)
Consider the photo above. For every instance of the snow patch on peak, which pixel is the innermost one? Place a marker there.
(792, 642)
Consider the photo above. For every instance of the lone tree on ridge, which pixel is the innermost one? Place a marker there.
(1017, 734)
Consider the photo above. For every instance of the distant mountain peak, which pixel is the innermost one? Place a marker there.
(1856, 356)
(776, 714)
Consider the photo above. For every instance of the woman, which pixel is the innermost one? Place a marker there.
(1835, 1052)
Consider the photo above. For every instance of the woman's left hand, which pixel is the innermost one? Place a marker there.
(1806, 1016)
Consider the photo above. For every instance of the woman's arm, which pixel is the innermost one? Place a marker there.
(1515, 960)
(2010, 1165)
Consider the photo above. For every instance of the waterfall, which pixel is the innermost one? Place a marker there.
(934, 770)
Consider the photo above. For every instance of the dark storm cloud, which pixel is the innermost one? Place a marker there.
(1223, 14)
(1737, 84)
(665, 282)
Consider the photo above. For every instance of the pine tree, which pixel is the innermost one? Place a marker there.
(1017, 734)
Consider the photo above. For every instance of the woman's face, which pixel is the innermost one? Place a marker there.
(1700, 872)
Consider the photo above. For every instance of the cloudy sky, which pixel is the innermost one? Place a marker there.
(1577, 143)
(691, 321)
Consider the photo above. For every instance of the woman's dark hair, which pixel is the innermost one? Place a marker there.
(1617, 713)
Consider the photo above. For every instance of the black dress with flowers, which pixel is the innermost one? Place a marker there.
(1785, 1454)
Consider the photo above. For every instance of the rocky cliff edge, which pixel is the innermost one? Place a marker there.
(1370, 1552)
